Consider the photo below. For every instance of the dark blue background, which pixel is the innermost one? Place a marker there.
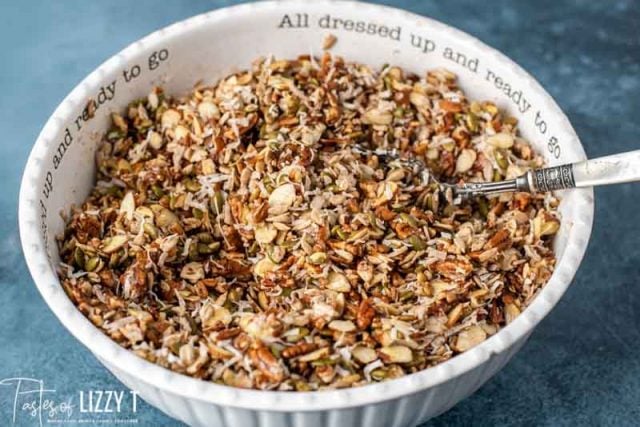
(581, 366)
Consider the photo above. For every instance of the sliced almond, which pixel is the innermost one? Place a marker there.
(454, 315)
(315, 355)
(153, 100)
(180, 132)
(338, 282)
(208, 110)
(192, 272)
(218, 316)
(364, 355)
(265, 234)
(155, 140)
(465, 160)
(396, 354)
(222, 315)
(470, 337)
(342, 325)
(501, 140)
(395, 175)
(128, 206)
(281, 199)
(511, 311)
(418, 99)
(170, 119)
(264, 266)
(208, 167)
(377, 117)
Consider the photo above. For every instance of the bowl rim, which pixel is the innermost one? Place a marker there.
(125, 361)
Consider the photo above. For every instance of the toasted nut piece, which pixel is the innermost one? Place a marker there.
(216, 352)
(264, 266)
(298, 349)
(170, 119)
(364, 355)
(454, 269)
(326, 373)
(265, 234)
(396, 354)
(128, 205)
(219, 318)
(347, 380)
(514, 171)
(365, 314)
(418, 99)
(465, 160)
(208, 167)
(315, 355)
(450, 106)
(365, 271)
(267, 364)
(192, 272)
(208, 110)
(501, 140)
(396, 175)
(454, 315)
(144, 212)
(377, 117)
(342, 325)
(260, 213)
(511, 311)
(281, 199)
(180, 132)
(470, 337)
(338, 282)
(500, 239)
(155, 140)
(417, 243)
(279, 82)
(329, 41)
(119, 122)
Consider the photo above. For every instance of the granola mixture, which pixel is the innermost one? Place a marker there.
(233, 235)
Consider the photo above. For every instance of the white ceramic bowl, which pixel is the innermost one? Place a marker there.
(60, 171)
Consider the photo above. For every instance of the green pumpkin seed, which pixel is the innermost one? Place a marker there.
(378, 374)
(216, 204)
(78, 258)
(112, 244)
(92, 263)
(501, 160)
(318, 258)
(417, 243)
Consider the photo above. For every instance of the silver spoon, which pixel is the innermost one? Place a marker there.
(613, 169)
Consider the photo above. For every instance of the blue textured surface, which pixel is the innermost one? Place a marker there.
(581, 365)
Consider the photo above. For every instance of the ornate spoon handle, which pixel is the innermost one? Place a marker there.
(614, 169)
